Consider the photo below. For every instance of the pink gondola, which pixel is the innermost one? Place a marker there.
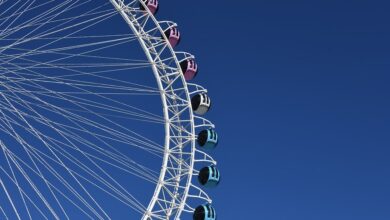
(189, 68)
(173, 36)
(152, 5)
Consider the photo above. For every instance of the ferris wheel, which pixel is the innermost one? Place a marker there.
(86, 131)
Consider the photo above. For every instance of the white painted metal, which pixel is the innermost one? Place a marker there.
(175, 188)
(175, 182)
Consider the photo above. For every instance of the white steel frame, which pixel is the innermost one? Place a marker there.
(175, 185)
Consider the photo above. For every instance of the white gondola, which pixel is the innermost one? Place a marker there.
(201, 103)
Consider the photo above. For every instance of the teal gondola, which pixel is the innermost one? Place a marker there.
(208, 139)
(205, 212)
(209, 176)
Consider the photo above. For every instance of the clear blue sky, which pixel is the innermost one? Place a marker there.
(301, 96)
(301, 100)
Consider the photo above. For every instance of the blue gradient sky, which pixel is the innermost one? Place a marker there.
(301, 100)
(301, 96)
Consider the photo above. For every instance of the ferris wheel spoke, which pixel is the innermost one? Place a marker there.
(22, 142)
(18, 68)
(49, 16)
(43, 21)
(3, 213)
(20, 163)
(67, 80)
(109, 90)
(79, 111)
(64, 79)
(110, 130)
(132, 141)
(91, 145)
(87, 92)
(33, 202)
(16, 181)
(30, 21)
(16, 14)
(90, 173)
(41, 120)
(10, 7)
(24, 78)
(2, 18)
(21, 10)
(103, 45)
(119, 59)
(9, 198)
(61, 28)
(45, 143)
(84, 106)
(105, 155)
(72, 160)
(25, 146)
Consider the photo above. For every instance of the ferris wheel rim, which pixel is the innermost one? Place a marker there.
(148, 214)
(87, 103)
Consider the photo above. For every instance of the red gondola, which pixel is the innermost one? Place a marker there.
(189, 68)
(152, 5)
(173, 36)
